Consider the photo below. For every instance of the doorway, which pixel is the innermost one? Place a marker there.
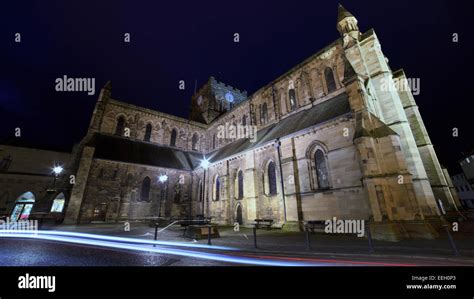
(100, 211)
(238, 217)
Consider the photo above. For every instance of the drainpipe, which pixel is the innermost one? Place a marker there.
(278, 145)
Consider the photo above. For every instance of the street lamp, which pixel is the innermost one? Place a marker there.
(205, 165)
(163, 179)
(57, 171)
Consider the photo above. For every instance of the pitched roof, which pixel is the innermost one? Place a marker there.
(342, 13)
(122, 149)
(322, 112)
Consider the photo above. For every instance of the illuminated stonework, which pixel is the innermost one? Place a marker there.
(331, 143)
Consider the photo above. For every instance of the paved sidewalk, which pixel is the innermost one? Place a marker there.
(277, 241)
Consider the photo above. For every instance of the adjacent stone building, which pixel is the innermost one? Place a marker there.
(333, 139)
(28, 184)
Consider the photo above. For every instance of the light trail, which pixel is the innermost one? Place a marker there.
(115, 239)
(138, 245)
(164, 250)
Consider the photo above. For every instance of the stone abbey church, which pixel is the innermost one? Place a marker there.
(331, 142)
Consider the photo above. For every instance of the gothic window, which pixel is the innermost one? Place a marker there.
(264, 114)
(145, 194)
(120, 126)
(244, 123)
(272, 184)
(58, 203)
(195, 142)
(23, 206)
(240, 184)
(330, 82)
(147, 132)
(6, 162)
(292, 97)
(174, 134)
(217, 188)
(321, 169)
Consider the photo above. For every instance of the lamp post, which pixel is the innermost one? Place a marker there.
(163, 179)
(205, 165)
(57, 171)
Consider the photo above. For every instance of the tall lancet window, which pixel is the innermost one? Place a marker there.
(292, 95)
(240, 185)
(145, 194)
(174, 134)
(147, 133)
(195, 141)
(321, 169)
(272, 183)
(330, 82)
(120, 126)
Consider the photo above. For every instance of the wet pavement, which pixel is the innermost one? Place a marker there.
(274, 246)
(22, 252)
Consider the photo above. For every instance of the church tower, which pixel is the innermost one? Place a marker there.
(347, 26)
(405, 187)
(214, 99)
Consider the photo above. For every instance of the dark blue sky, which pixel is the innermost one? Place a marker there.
(192, 40)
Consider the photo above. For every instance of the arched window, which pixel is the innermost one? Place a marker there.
(292, 97)
(240, 184)
(272, 184)
(330, 82)
(58, 203)
(217, 189)
(23, 206)
(174, 134)
(264, 114)
(214, 141)
(145, 195)
(195, 142)
(120, 126)
(6, 162)
(147, 132)
(321, 169)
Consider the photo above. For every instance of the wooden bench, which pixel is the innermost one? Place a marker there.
(263, 222)
(315, 225)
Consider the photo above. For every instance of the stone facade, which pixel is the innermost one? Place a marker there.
(332, 142)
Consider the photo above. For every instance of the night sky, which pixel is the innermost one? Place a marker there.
(192, 40)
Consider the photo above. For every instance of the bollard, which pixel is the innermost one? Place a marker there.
(209, 235)
(308, 240)
(156, 232)
(451, 242)
(255, 237)
(369, 238)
